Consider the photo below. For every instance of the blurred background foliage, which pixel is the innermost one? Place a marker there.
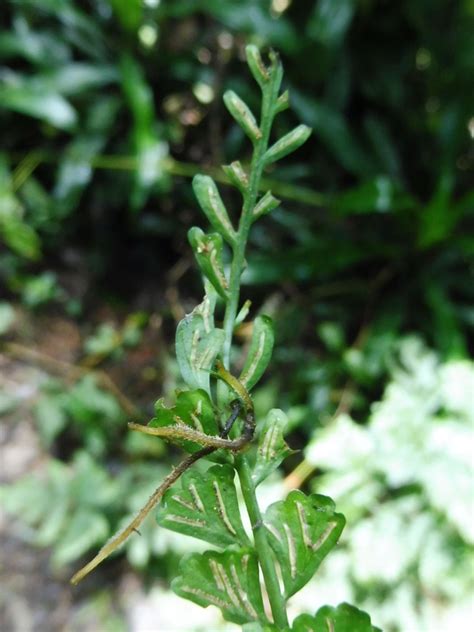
(107, 108)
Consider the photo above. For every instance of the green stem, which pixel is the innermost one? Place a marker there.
(262, 547)
(265, 556)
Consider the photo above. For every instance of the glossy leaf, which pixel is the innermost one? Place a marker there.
(213, 207)
(198, 343)
(208, 252)
(227, 580)
(272, 448)
(344, 618)
(301, 531)
(260, 351)
(206, 507)
(194, 409)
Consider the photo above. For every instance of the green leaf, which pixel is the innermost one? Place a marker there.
(85, 530)
(344, 618)
(237, 175)
(265, 205)
(243, 115)
(39, 101)
(301, 531)
(287, 144)
(198, 343)
(20, 237)
(256, 65)
(208, 252)
(379, 194)
(272, 448)
(193, 408)
(334, 131)
(260, 351)
(227, 580)
(330, 21)
(207, 194)
(206, 507)
(39, 289)
(7, 317)
(150, 149)
(50, 416)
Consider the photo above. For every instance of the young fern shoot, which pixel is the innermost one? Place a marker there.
(292, 537)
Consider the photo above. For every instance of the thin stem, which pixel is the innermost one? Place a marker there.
(265, 556)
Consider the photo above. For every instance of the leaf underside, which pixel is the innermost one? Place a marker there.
(205, 507)
(198, 343)
(301, 531)
(228, 580)
(272, 448)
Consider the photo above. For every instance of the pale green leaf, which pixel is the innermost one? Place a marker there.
(272, 448)
(50, 416)
(198, 343)
(243, 115)
(7, 317)
(210, 201)
(85, 530)
(287, 144)
(208, 252)
(260, 351)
